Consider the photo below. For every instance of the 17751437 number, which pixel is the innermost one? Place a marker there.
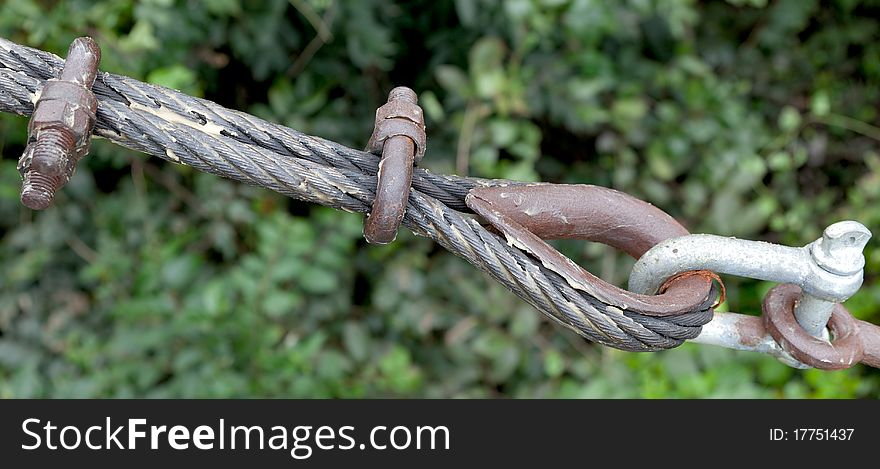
(812, 434)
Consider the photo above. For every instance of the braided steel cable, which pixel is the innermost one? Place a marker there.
(202, 134)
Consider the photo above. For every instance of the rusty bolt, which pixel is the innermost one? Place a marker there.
(870, 335)
(400, 116)
(399, 135)
(60, 129)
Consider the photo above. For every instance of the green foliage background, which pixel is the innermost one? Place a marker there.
(747, 118)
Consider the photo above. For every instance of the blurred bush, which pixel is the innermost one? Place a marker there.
(748, 118)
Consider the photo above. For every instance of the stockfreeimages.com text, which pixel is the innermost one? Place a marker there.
(299, 440)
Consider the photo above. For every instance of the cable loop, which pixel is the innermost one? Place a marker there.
(195, 132)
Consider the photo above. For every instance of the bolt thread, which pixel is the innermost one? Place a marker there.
(402, 93)
(52, 149)
(37, 191)
(49, 169)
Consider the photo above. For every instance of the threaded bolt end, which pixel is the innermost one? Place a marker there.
(402, 93)
(37, 191)
(52, 151)
(49, 168)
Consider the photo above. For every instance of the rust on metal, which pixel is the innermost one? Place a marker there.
(843, 351)
(399, 135)
(870, 335)
(401, 116)
(526, 215)
(722, 294)
(750, 330)
(60, 128)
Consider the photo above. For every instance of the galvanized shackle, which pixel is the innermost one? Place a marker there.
(821, 275)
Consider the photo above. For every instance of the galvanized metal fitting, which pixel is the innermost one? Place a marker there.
(60, 128)
(778, 333)
(838, 252)
(760, 260)
(746, 333)
(829, 270)
(399, 135)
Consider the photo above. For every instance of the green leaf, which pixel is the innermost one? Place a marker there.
(467, 11)
(282, 303)
(789, 119)
(433, 109)
(175, 77)
(820, 105)
(318, 281)
(140, 38)
(453, 79)
(629, 109)
(554, 365)
(356, 340)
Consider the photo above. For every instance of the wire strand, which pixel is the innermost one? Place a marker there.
(228, 143)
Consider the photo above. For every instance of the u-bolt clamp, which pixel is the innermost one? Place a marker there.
(825, 272)
(399, 136)
(60, 129)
